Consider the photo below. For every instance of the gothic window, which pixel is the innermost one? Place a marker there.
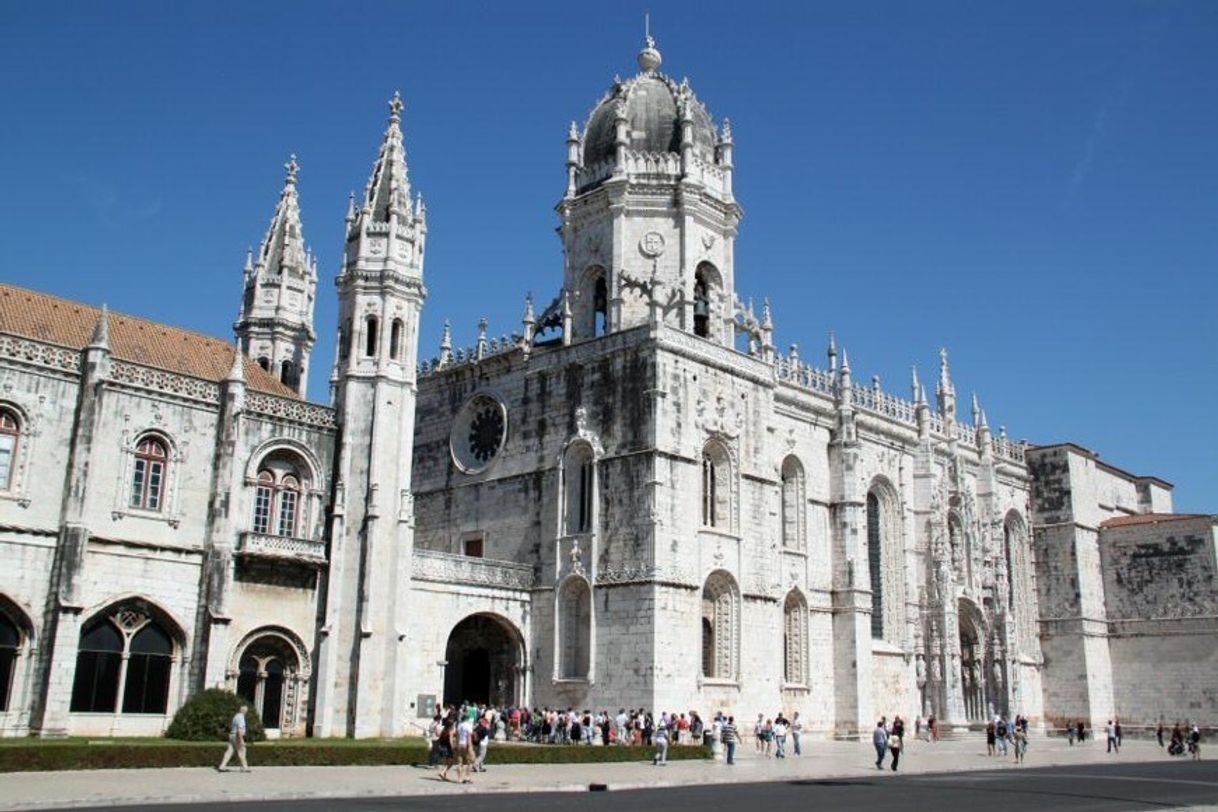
(287, 373)
(149, 474)
(579, 488)
(875, 562)
(395, 340)
(371, 338)
(265, 672)
(10, 647)
(706, 285)
(278, 497)
(716, 487)
(793, 505)
(795, 639)
(10, 433)
(720, 626)
(600, 307)
(127, 637)
(575, 628)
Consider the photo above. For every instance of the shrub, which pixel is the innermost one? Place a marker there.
(208, 716)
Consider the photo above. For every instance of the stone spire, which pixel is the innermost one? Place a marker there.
(946, 390)
(388, 190)
(276, 322)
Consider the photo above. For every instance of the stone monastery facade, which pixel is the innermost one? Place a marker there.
(635, 500)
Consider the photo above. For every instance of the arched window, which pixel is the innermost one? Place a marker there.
(875, 552)
(579, 481)
(794, 512)
(10, 648)
(395, 340)
(600, 307)
(149, 474)
(371, 337)
(266, 667)
(716, 487)
(720, 626)
(10, 433)
(265, 363)
(575, 629)
(287, 373)
(795, 639)
(706, 286)
(278, 497)
(129, 634)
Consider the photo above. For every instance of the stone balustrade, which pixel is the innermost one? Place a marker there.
(447, 568)
(264, 544)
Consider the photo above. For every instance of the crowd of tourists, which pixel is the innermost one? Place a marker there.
(1002, 736)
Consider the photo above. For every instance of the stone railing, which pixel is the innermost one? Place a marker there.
(805, 377)
(880, 402)
(446, 568)
(165, 383)
(295, 411)
(264, 544)
(664, 165)
(1012, 450)
(586, 176)
(39, 353)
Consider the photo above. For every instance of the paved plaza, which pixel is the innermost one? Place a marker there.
(821, 760)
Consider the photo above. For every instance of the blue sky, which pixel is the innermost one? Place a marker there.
(1032, 184)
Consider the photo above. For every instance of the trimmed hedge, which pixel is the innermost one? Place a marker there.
(208, 715)
(99, 755)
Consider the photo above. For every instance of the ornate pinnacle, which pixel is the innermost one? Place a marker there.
(573, 134)
(915, 384)
(767, 320)
(446, 338)
(351, 207)
(249, 259)
(395, 108)
(529, 318)
(292, 168)
(726, 137)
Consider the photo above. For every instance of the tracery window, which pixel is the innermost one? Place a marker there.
(579, 482)
(793, 505)
(716, 487)
(720, 626)
(875, 562)
(149, 474)
(126, 655)
(574, 628)
(795, 639)
(10, 434)
(10, 647)
(278, 506)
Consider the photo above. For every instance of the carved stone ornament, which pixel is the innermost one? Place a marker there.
(708, 242)
(652, 244)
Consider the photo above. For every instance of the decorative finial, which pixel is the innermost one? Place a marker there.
(395, 108)
(573, 133)
(649, 57)
(249, 259)
(726, 137)
(446, 338)
(529, 317)
(292, 168)
(767, 318)
(351, 207)
(845, 360)
(101, 334)
(915, 384)
(237, 371)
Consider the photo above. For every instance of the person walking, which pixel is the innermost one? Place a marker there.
(1000, 733)
(1082, 732)
(896, 742)
(1070, 733)
(1021, 743)
(880, 739)
(780, 736)
(236, 741)
(465, 750)
(797, 731)
(1194, 743)
(481, 740)
(1116, 726)
(1113, 744)
(730, 737)
(758, 731)
(990, 737)
(1159, 733)
(660, 738)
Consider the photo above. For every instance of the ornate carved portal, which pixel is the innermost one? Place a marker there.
(973, 679)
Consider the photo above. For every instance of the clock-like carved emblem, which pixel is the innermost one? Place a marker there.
(652, 244)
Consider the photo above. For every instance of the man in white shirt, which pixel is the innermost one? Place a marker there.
(465, 749)
(236, 741)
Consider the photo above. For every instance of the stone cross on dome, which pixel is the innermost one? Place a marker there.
(649, 57)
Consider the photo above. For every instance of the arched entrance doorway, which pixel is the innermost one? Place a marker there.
(485, 662)
(270, 675)
(972, 662)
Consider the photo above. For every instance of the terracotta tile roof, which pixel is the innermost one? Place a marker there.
(1151, 518)
(53, 320)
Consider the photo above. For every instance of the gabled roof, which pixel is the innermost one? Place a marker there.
(1152, 518)
(53, 320)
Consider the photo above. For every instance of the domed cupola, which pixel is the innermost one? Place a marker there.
(645, 115)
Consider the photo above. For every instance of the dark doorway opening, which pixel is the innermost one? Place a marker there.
(484, 662)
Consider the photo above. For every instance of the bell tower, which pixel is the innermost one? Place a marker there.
(275, 324)
(649, 219)
(362, 658)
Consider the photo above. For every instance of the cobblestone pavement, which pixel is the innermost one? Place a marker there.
(820, 760)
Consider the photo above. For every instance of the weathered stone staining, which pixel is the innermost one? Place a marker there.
(636, 500)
